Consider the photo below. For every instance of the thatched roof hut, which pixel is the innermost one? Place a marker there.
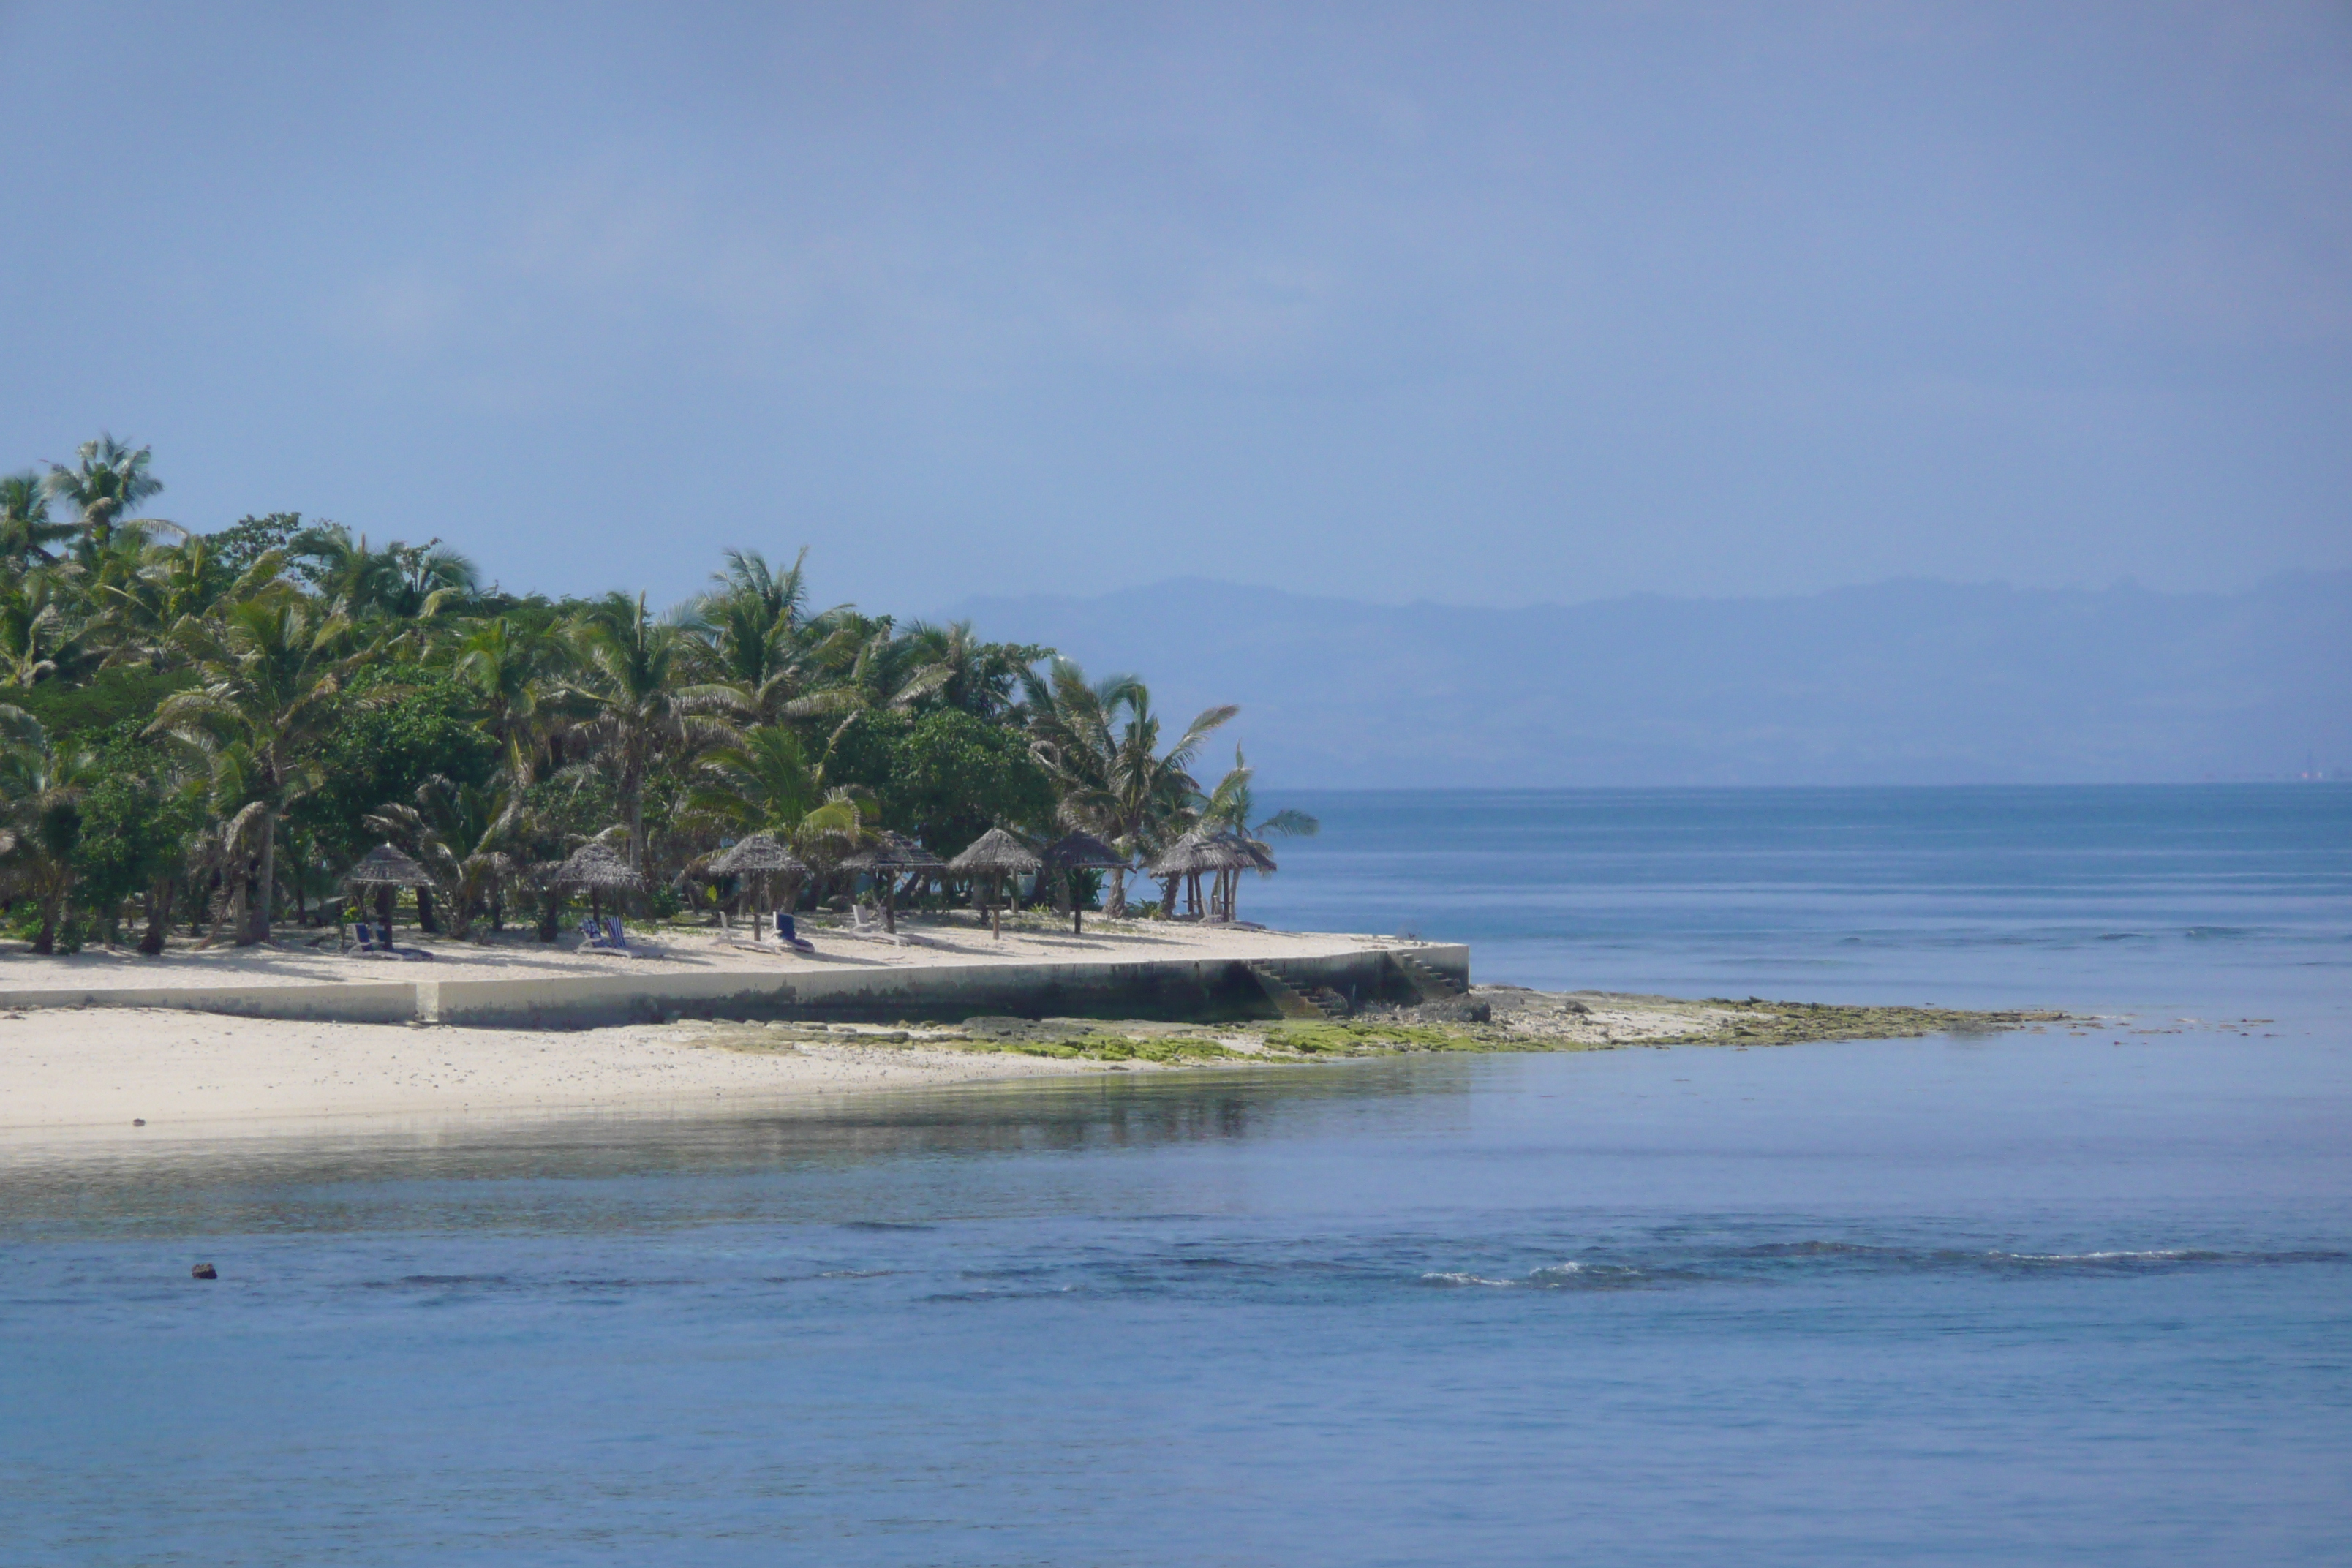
(992, 857)
(1197, 852)
(385, 867)
(1221, 856)
(996, 853)
(893, 852)
(1081, 851)
(1259, 854)
(598, 870)
(890, 857)
(759, 855)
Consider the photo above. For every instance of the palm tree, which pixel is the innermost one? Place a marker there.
(1100, 744)
(42, 789)
(1229, 808)
(977, 677)
(108, 480)
(513, 667)
(25, 531)
(765, 784)
(272, 670)
(460, 833)
(35, 638)
(1150, 790)
(174, 584)
(640, 709)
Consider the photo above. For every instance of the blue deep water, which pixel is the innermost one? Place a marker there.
(2079, 1296)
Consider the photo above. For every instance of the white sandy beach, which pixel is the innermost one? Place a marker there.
(100, 1067)
(105, 1067)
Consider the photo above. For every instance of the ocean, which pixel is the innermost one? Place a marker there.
(2082, 1295)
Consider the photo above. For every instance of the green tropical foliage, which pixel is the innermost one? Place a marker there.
(203, 732)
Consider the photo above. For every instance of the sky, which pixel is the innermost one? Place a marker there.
(1488, 305)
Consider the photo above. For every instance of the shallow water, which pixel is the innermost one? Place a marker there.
(2081, 1296)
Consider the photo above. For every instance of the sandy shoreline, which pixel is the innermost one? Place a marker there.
(179, 1072)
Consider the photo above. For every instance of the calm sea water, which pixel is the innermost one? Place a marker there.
(2081, 1296)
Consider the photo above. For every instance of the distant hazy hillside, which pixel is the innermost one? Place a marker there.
(1898, 682)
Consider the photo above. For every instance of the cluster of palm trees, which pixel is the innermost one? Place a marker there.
(222, 667)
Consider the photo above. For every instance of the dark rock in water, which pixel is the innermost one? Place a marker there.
(204, 1271)
(138, 1122)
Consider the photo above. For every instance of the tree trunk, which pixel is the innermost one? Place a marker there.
(551, 913)
(158, 909)
(265, 874)
(637, 826)
(45, 940)
(1115, 907)
(424, 920)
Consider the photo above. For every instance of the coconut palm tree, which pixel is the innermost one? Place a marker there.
(764, 783)
(1229, 808)
(174, 584)
(272, 670)
(515, 670)
(977, 677)
(41, 791)
(25, 531)
(108, 481)
(640, 708)
(36, 638)
(1151, 792)
(1099, 742)
(462, 835)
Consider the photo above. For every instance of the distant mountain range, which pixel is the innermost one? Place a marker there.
(1898, 682)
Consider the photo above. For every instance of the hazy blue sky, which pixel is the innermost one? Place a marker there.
(1481, 303)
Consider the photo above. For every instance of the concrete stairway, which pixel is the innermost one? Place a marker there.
(1426, 982)
(1320, 1005)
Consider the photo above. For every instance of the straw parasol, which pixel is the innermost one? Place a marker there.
(599, 871)
(386, 870)
(1215, 853)
(1079, 852)
(995, 855)
(760, 857)
(890, 857)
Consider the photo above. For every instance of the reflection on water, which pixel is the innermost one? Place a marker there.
(419, 1177)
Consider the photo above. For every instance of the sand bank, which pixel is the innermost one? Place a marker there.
(178, 1071)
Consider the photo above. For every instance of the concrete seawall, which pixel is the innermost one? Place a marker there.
(1177, 990)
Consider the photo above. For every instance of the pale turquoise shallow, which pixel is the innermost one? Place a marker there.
(2066, 1297)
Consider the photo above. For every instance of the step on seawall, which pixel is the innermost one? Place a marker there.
(1176, 990)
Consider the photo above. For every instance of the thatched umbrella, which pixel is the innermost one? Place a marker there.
(387, 869)
(599, 871)
(1197, 852)
(760, 857)
(1080, 852)
(993, 855)
(888, 857)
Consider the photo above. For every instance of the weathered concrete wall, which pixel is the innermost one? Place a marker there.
(359, 1003)
(1176, 990)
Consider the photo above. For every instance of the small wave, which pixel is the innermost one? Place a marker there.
(1568, 1275)
(857, 1273)
(1438, 1278)
(884, 1224)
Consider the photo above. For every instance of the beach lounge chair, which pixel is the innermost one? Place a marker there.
(364, 934)
(615, 937)
(790, 937)
(592, 934)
